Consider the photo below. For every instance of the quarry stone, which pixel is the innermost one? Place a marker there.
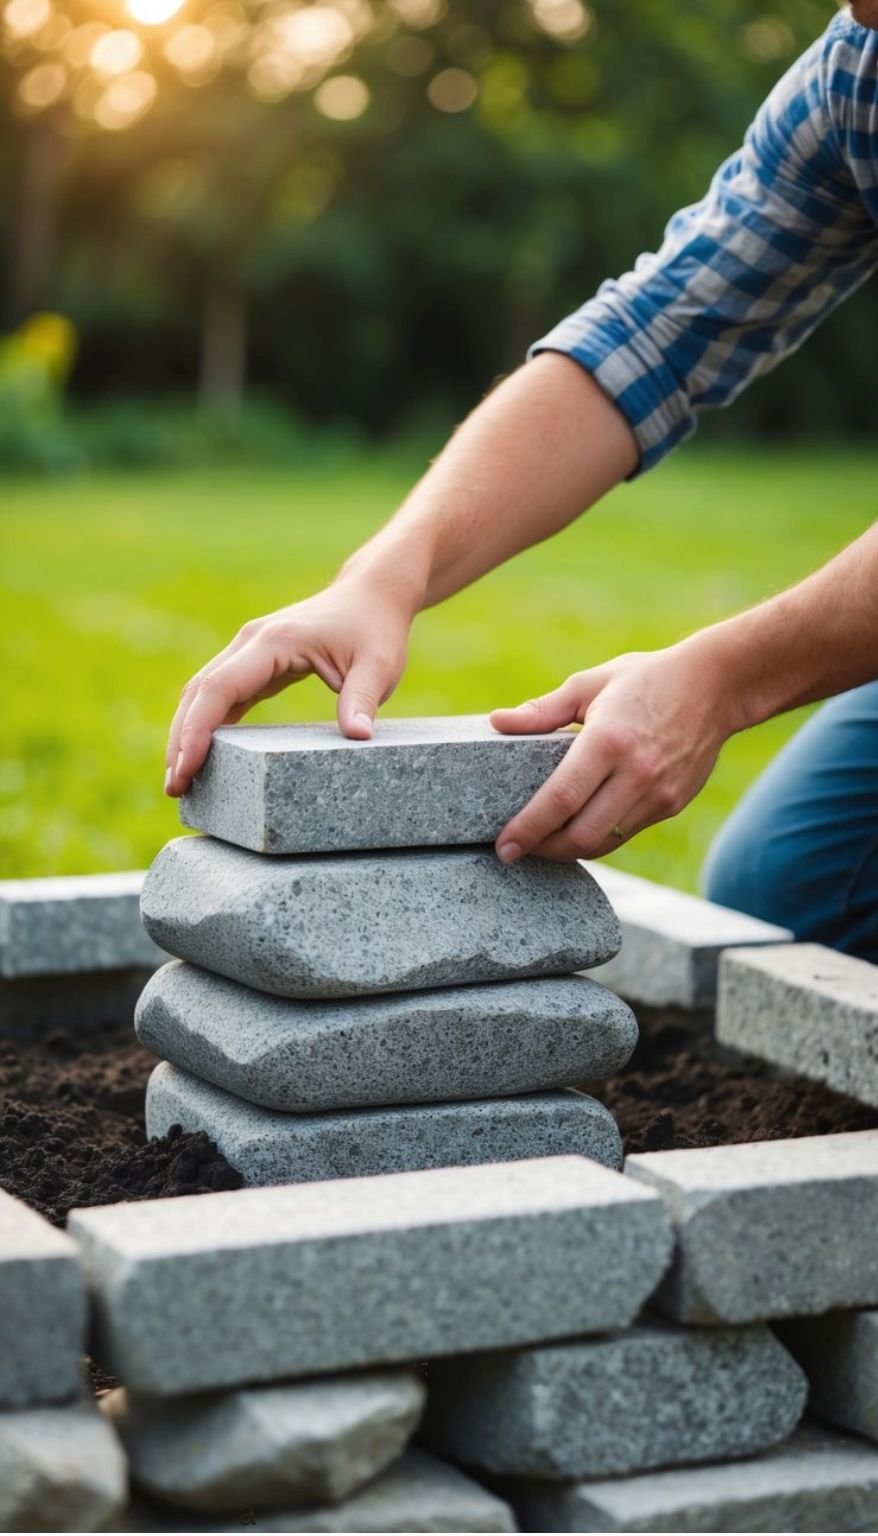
(252, 1285)
(839, 1354)
(61, 1469)
(42, 1309)
(418, 1493)
(806, 1008)
(73, 923)
(308, 789)
(769, 1229)
(413, 1047)
(817, 1481)
(672, 941)
(651, 1397)
(268, 1147)
(307, 1442)
(335, 926)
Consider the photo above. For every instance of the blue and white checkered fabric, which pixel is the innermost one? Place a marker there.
(787, 230)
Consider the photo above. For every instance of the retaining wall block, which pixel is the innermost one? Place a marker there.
(42, 1309)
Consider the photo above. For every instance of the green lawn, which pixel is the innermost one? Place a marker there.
(114, 589)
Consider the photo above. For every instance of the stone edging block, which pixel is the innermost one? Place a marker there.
(73, 923)
(42, 1309)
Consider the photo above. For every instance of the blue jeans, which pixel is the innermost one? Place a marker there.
(801, 848)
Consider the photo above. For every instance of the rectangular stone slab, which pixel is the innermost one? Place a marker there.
(410, 1047)
(769, 1228)
(268, 1147)
(839, 1354)
(417, 783)
(808, 1009)
(42, 1309)
(818, 1481)
(672, 941)
(208, 1291)
(418, 1493)
(652, 1397)
(348, 924)
(61, 1469)
(73, 923)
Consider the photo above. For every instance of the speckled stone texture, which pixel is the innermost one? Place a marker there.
(655, 1396)
(42, 1309)
(806, 1008)
(839, 1354)
(672, 941)
(417, 783)
(769, 1229)
(413, 1047)
(268, 1147)
(61, 1469)
(257, 1285)
(73, 923)
(818, 1481)
(309, 1442)
(365, 923)
(418, 1493)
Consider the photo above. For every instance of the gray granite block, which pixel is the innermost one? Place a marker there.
(363, 923)
(411, 1047)
(305, 1442)
(654, 1396)
(254, 1285)
(839, 1354)
(672, 941)
(418, 1493)
(73, 923)
(769, 1228)
(818, 1481)
(808, 1009)
(308, 789)
(42, 1309)
(61, 1469)
(269, 1147)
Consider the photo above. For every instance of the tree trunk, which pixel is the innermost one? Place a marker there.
(223, 375)
(42, 156)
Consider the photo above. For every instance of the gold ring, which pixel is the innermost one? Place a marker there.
(619, 832)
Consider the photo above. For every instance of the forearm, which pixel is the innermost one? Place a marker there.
(815, 640)
(544, 446)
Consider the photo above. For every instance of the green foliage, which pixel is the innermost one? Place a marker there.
(115, 589)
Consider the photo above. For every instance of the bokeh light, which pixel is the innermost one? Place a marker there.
(153, 13)
(343, 98)
(116, 53)
(452, 90)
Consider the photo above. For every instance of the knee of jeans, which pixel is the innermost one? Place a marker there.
(735, 875)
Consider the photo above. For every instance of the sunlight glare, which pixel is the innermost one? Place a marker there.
(153, 13)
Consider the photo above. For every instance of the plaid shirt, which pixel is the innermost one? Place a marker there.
(788, 228)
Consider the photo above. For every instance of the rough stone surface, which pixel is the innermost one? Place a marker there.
(308, 789)
(651, 1397)
(672, 941)
(42, 1309)
(806, 1008)
(769, 1229)
(310, 1442)
(61, 1469)
(73, 923)
(839, 1354)
(413, 1047)
(268, 1147)
(418, 1493)
(364, 923)
(264, 1284)
(818, 1481)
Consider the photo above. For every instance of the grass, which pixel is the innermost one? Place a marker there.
(114, 589)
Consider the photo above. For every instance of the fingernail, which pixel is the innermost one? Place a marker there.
(509, 852)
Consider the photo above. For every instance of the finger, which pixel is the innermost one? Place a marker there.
(594, 830)
(239, 681)
(552, 710)
(173, 747)
(578, 776)
(368, 683)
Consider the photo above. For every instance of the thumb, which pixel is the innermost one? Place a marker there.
(367, 685)
(552, 710)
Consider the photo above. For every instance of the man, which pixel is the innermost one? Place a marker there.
(788, 228)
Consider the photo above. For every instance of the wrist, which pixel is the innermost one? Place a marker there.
(390, 574)
(727, 675)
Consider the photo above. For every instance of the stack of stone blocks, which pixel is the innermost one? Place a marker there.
(362, 986)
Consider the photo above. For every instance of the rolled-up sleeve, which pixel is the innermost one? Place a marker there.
(744, 276)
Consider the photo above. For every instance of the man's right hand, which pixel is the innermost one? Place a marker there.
(353, 635)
